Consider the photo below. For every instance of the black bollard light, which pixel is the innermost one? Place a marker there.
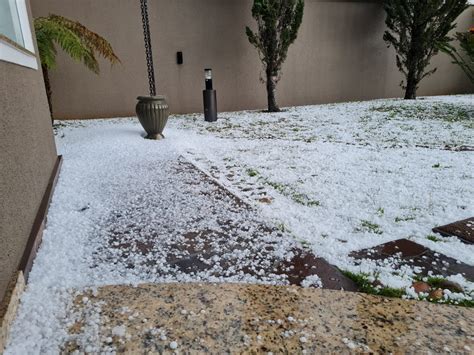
(209, 98)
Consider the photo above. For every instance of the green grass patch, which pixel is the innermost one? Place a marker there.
(281, 227)
(404, 219)
(260, 123)
(462, 303)
(277, 186)
(429, 111)
(285, 190)
(252, 172)
(212, 129)
(305, 243)
(438, 166)
(310, 139)
(364, 285)
(295, 196)
(367, 226)
(304, 200)
(433, 238)
(436, 282)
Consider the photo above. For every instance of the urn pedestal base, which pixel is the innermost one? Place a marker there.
(155, 137)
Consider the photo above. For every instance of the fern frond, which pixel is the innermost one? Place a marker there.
(75, 39)
(92, 40)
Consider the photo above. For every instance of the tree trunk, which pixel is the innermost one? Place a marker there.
(410, 91)
(271, 85)
(49, 92)
(415, 54)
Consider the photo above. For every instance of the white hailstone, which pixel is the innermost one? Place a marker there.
(303, 339)
(119, 331)
(173, 345)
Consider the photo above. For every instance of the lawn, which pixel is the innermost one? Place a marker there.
(344, 177)
(332, 179)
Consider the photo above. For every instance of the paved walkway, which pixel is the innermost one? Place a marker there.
(217, 238)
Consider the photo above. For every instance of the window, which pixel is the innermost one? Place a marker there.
(10, 21)
(16, 40)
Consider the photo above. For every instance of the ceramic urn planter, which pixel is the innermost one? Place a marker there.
(152, 112)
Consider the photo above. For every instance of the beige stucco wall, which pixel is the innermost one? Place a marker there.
(338, 56)
(27, 157)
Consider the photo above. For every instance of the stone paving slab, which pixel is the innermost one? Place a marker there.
(464, 230)
(405, 252)
(235, 319)
(226, 240)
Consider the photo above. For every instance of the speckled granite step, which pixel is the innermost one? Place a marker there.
(231, 318)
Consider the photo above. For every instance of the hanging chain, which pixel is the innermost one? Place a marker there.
(149, 54)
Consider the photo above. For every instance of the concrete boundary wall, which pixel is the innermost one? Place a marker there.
(339, 56)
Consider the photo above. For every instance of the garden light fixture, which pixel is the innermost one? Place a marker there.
(209, 98)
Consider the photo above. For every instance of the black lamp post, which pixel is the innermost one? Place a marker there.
(209, 98)
(153, 110)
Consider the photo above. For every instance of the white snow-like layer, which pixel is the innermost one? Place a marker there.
(342, 177)
(117, 190)
(312, 280)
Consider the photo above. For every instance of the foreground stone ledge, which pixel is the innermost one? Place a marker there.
(9, 306)
(236, 318)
